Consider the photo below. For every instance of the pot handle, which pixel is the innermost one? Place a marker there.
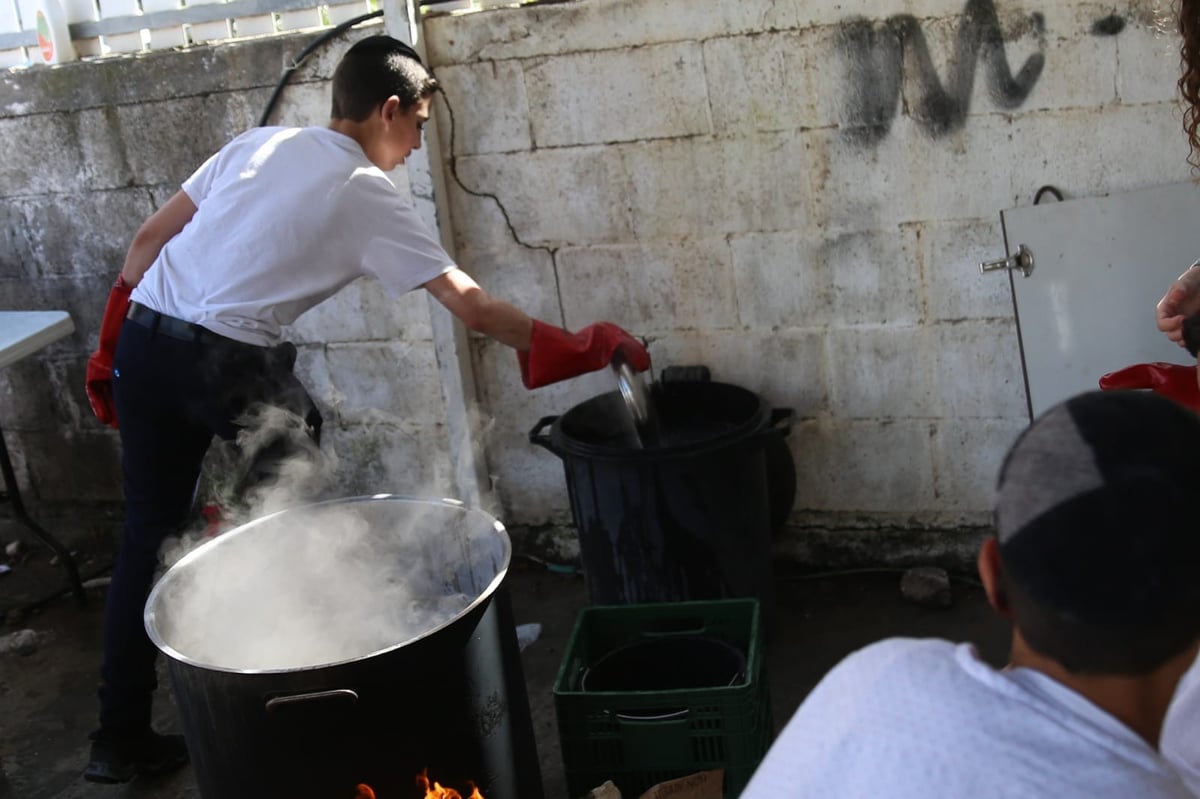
(280, 702)
(780, 416)
(536, 436)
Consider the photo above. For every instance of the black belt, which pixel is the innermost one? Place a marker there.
(170, 326)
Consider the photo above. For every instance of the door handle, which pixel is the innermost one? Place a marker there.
(1022, 261)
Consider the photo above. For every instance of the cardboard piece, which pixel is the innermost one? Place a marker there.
(703, 785)
(605, 791)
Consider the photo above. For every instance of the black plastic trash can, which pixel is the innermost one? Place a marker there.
(688, 519)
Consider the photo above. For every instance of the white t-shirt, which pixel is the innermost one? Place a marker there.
(1181, 731)
(285, 218)
(922, 718)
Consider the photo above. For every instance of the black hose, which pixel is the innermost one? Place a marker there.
(313, 45)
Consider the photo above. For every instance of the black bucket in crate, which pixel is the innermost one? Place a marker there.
(654, 692)
(665, 663)
(687, 519)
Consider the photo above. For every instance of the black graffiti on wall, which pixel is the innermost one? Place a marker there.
(891, 64)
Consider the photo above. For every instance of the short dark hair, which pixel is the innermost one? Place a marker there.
(1096, 519)
(1099, 648)
(374, 69)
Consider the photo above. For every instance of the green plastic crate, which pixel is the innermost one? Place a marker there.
(696, 729)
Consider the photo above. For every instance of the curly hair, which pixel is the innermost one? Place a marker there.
(1189, 81)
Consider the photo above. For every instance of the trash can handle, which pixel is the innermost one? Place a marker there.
(536, 436)
(781, 422)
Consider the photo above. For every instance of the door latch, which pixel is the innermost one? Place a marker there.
(1023, 261)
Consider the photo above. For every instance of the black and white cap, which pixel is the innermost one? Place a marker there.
(1098, 508)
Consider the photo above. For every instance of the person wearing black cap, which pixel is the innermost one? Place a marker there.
(190, 344)
(1094, 560)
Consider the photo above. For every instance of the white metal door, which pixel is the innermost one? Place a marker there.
(1099, 265)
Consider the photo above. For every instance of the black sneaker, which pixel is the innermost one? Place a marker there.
(119, 758)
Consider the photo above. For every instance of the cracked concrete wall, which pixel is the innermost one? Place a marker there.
(798, 195)
(91, 149)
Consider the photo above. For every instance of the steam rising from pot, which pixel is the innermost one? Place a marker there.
(313, 585)
(323, 584)
(245, 486)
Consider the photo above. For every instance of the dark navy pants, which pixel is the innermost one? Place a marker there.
(172, 396)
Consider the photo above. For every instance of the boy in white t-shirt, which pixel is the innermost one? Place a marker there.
(190, 346)
(1095, 561)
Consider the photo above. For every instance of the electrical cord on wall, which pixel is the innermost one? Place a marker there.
(1047, 189)
(452, 160)
(313, 45)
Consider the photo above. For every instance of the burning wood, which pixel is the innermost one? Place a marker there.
(438, 792)
(434, 792)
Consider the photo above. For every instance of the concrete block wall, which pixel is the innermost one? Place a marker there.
(797, 195)
(91, 149)
(794, 194)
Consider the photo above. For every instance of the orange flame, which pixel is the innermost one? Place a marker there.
(438, 792)
(364, 792)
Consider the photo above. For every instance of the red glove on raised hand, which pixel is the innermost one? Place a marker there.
(1172, 380)
(554, 354)
(99, 366)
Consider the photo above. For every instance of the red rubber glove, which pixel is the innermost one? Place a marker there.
(554, 354)
(99, 366)
(1172, 380)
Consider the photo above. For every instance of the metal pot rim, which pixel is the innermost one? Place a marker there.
(148, 617)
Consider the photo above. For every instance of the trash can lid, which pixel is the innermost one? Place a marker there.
(690, 416)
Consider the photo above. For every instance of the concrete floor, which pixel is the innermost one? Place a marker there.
(47, 698)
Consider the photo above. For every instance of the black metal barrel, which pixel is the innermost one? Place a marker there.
(448, 701)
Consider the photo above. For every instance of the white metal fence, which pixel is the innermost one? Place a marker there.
(104, 27)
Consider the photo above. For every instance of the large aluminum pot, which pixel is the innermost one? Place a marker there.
(306, 655)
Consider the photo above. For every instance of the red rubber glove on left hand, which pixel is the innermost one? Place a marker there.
(99, 366)
(1172, 380)
(554, 354)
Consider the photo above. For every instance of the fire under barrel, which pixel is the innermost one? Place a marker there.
(364, 641)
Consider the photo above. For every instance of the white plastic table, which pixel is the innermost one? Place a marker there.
(23, 333)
